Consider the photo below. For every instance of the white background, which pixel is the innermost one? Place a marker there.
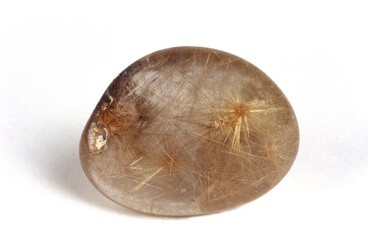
(57, 58)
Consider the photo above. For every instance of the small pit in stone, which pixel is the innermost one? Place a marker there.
(97, 138)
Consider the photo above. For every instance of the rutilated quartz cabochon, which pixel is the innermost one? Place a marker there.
(189, 131)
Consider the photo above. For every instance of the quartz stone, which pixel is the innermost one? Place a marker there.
(189, 131)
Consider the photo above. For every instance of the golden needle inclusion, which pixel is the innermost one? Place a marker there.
(189, 131)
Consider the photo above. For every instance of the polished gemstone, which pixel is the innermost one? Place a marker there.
(189, 131)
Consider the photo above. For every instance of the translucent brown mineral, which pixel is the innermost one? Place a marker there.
(189, 131)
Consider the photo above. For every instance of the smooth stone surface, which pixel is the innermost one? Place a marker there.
(189, 131)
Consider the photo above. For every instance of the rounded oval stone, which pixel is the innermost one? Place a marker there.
(189, 131)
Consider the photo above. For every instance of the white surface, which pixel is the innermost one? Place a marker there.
(56, 59)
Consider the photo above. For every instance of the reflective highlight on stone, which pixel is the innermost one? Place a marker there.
(189, 131)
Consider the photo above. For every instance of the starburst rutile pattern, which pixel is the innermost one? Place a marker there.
(189, 131)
